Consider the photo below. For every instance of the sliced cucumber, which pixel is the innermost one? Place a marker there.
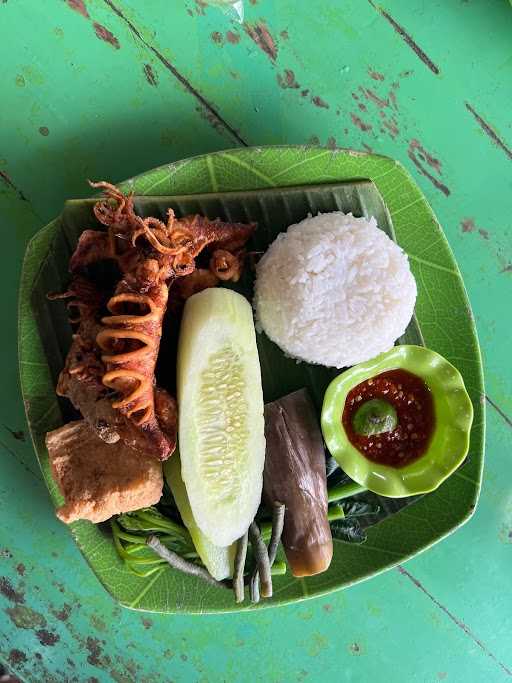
(221, 424)
(218, 560)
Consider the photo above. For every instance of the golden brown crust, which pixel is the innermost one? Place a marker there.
(116, 353)
(225, 265)
(98, 480)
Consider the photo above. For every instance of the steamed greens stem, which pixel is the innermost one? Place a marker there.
(262, 563)
(335, 512)
(150, 520)
(278, 569)
(343, 491)
(179, 563)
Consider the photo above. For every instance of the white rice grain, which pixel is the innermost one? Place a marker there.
(334, 290)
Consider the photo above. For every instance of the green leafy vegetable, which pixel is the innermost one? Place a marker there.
(350, 528)
(131, 531)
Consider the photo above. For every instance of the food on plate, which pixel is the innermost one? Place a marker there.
(98, 479)
(334, 290)
(217, 559)
(109, 374)
(295, 475)
(262, 572)
(221, 425)
(151, 316)
(400, 423)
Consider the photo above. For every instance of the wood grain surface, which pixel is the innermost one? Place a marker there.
(110, 88)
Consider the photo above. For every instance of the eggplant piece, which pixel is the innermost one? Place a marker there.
(295, 475)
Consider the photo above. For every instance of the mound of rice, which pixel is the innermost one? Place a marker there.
(334, 290)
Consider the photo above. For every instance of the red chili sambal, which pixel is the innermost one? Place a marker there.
(407, 436)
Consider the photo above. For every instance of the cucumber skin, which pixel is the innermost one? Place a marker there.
(218, 560)
(213, 319)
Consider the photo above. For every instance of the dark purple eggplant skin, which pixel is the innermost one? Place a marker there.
(295, 475)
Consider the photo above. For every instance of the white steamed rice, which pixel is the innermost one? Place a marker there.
(334, 290)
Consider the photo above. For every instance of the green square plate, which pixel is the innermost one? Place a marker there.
(276, 186)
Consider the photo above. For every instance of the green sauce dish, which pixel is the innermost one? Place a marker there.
(411, 472)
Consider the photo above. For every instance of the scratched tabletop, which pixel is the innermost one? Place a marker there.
(106, 89)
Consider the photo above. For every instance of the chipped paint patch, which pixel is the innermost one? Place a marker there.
(78, 6)
(8, 591)
(16, 657)
(217, 38)
(260, 35)
(44, 131)
(375, 75)
(107, 36)
(20, 568)
(93, 646)
(232, 37)
(468, 225)
(287, 80)
(319, 102)
(63, 614)
(419, 156)
(372, 95)
(24, 617)
(357, 121)
(47, 638)
(391, 126)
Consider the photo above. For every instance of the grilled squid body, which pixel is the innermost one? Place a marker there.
(130, 342)
(109, 373)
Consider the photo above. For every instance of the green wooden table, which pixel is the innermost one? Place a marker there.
(109, 88)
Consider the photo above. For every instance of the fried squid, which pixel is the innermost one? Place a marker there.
(109, 374)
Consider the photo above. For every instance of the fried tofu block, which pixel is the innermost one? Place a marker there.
(97, 479)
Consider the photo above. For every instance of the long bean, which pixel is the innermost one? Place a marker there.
(238, 575)
(276, 532)
(180, 564)
(262, 560)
